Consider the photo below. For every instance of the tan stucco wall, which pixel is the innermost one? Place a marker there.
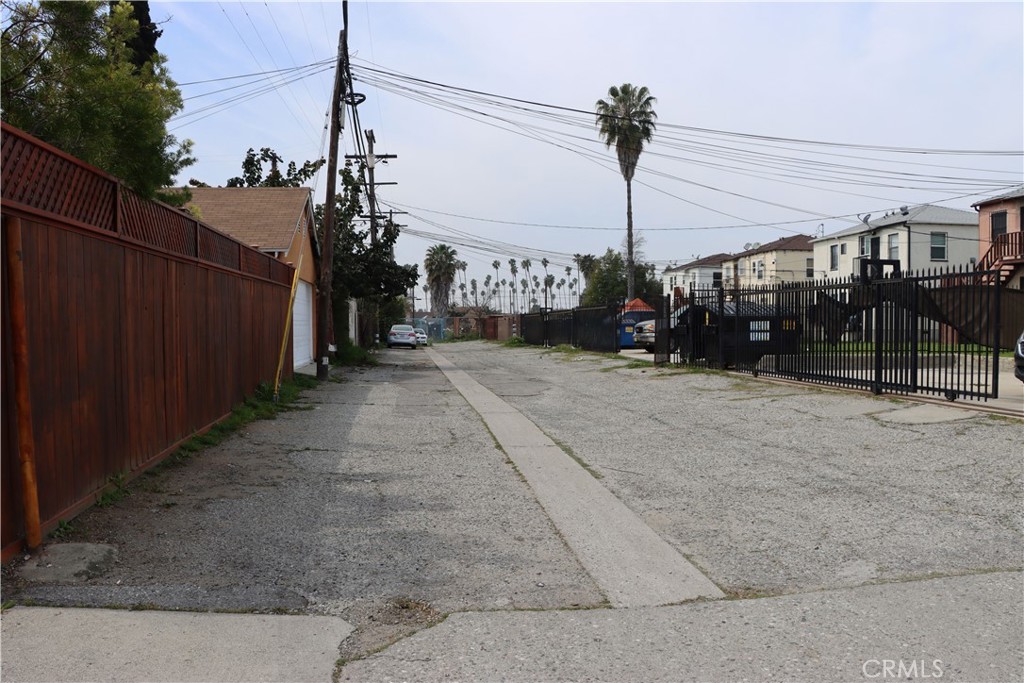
(1012, 207)
(307, 269)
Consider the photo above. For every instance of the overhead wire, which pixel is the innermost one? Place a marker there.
(257, 61)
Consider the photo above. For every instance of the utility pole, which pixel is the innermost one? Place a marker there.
(324, 308)
(371, 193)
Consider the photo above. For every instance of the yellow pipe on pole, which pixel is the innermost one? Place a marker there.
(288, 320)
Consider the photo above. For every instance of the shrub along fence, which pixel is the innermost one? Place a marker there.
(128, 327)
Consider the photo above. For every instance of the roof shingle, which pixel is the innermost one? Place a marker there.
(265, 216)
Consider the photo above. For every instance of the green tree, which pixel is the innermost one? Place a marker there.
(440, 266)
(252, 171)
(70, 74)
(607, 282)
(626, 120)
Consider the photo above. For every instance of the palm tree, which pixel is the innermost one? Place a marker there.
(526, 263)
(441, 267)
(626, 120)
(549, 282)
(514, 269)
(496, 264)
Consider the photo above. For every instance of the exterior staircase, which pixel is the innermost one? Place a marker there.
(1003, 258)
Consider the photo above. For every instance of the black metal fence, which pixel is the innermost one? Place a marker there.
(932, 332)
(593, 328)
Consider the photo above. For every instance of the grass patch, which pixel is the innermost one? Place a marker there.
(64, 531)
(579, 461)
(116, 490)
(350, 355)
(514, 342)
(259, 406)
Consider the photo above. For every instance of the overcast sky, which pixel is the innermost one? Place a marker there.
(494, 182)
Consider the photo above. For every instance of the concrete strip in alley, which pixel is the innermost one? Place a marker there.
(631, 564)
(958, 628)
(77, 644)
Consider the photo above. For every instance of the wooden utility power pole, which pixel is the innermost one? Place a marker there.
(371, 195)
(324, 307)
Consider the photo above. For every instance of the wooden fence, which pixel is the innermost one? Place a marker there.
(143, 327)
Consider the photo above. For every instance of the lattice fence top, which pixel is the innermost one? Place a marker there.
(41, 177)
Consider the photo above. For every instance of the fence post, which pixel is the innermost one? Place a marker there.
(876, 386)
(721, 325)
(996, 336)
(912, 288)
(22, 390)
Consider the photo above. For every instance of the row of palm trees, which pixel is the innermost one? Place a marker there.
(625, 120)
(447, 284)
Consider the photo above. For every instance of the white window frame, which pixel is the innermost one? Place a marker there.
(893, 247)
(833, 257)
(944, 246)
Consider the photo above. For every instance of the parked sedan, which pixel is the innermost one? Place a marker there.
(402, 335)
(643, 335)
(421, 336)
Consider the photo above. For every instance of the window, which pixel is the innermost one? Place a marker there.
(716, 278)
(998, 224)
(833, 257)
(810, 268)
(760, 270)
(842, 248)
(938, 243)
(864, 245)
(894, 247)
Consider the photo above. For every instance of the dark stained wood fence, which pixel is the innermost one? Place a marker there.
(145, 326)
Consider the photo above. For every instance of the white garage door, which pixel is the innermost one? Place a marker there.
(302, 325)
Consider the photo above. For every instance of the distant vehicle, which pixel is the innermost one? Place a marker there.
(421, 336)
(402, 335)
(1018, 358)
(643, 335)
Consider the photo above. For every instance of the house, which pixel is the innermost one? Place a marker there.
(700, 273)
(277, 221)
(788, 259)
(1001, 236)
(919, 237)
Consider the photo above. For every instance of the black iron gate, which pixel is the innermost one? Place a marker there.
(932, 333)
(594, 328)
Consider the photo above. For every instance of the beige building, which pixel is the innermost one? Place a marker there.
(1001, 236)
(789, 259)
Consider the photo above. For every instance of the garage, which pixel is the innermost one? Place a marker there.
(302, 325)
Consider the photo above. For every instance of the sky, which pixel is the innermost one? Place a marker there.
(773, 118)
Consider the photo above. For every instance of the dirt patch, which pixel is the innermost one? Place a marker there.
(379, 625)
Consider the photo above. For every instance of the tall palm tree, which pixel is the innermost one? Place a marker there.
(496, 264)
(441, 267)
(513, 268)
(526, 263)
(549, 282)
(626, 120)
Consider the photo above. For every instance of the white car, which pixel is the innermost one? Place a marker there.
(402, 335)
(421, 336)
